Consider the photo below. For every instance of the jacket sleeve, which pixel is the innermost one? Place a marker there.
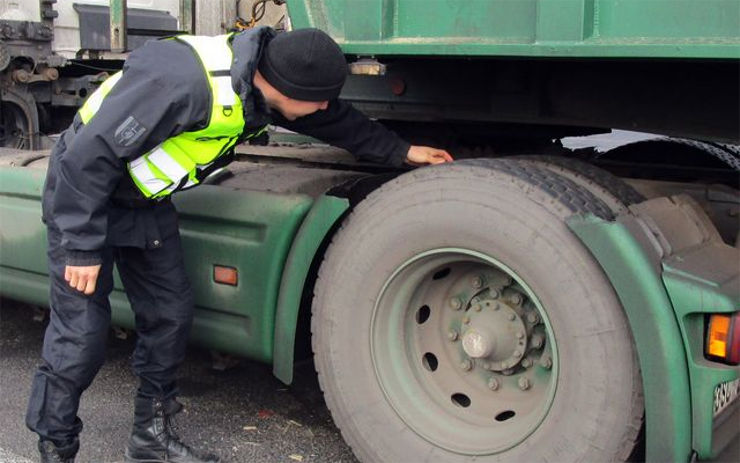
(153, 100)
(344, 126)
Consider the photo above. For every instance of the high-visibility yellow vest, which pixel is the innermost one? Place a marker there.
(177, 162)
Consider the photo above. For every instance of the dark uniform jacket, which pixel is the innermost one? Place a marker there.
(88, 191)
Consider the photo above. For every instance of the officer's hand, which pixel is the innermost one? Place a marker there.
(83, 279)
(422, 155)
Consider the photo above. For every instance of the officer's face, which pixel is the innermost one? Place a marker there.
(293, 109)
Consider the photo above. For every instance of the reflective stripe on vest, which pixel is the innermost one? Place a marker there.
(91, 106)
(180, 161)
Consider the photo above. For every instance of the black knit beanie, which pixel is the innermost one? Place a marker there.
(305, 64)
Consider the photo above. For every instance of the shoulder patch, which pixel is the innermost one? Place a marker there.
(129, 132)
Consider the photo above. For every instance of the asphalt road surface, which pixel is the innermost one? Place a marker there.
(244, 413)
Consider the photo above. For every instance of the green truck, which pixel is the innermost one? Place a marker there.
(528, 302)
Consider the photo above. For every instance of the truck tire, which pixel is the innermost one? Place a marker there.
(609, 188)
(676, 151)
(456, 318)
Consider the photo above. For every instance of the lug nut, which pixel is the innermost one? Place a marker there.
(517, 353)
(532, 318)
(546, 362)
(477, 282)
(527, 362)
(523, 383)
(493, 384)
(507, 372)
(466, 320)
(537, 340)
(456, 303)
(512, 317)
(520, 335)
(452, 335)
(494, 294)
(477, 307)
(466, 365)
(516, 299)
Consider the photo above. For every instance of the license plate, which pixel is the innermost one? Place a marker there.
(725, 394)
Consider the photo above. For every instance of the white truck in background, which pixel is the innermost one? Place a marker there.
(53, 54)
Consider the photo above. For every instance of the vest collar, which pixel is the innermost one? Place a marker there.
(247, 47)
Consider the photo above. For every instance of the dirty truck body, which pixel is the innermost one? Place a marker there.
(528, 302)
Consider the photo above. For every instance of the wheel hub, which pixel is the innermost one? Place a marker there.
(496, 336)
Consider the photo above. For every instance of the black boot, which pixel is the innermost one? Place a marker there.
(153, 438)
(52, 453)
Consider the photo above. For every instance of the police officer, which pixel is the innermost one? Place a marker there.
(162, 124)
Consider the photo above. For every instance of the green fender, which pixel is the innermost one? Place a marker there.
(622, 250)
(315, 227)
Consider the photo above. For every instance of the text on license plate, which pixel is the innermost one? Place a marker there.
(725, 394)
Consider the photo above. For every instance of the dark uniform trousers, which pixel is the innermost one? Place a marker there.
(74, 344)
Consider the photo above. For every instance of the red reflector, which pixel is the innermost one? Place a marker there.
(723, 338)
(225, 275)
(733, 350)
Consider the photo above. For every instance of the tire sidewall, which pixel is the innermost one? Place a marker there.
(521, 229)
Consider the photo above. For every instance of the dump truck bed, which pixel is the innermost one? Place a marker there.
(531, 28)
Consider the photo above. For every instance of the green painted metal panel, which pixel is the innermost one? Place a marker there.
(713, 286)
(637, 281)
(118, 33)
(315, 228)
(249, 230)
(185, 18)
(22, 235)
(533, 28)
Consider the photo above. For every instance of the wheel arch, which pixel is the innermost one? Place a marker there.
(631, 265)
(306, 252)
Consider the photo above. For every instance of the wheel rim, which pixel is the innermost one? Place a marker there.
(464, 351)
(13, 128)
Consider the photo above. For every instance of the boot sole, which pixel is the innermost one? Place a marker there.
(128, 459)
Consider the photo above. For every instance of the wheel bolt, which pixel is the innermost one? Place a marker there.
(466, 320)
(494, 294)
(517, 353)
(477, 282)
(546, 362)
(493, 384)
(526, 363)
(456, 303)
(520, 335)
(452, 335)
(512, 317)
(537, 340)
(532, 317)
(477, 307)
(516, 299)
(507, 372)
(524, 383)
(466, 365)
